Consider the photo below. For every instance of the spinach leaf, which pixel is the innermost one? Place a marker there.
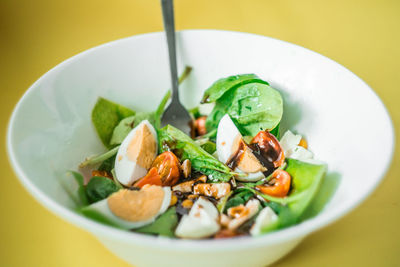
(306, 177)
(97, 216)
(209, 146)
(127, 124)
(105, 116)
(223, 85)
(108, 164)
(172, 139)
(100, 188)
(252, 107)
(276, 131)
(240, 198)
(194, 112)
(76, 188)
(163, 225)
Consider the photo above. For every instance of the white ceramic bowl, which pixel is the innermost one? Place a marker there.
(345, 123)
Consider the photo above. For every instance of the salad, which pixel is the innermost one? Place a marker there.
(235, 175)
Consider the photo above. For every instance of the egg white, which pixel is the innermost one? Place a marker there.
(227, 134)
(128, 171)
(265, 221)
(200, 222)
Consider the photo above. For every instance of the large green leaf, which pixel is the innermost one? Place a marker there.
(105, 116)
(252, 107)
(306, 180)
(220, 87)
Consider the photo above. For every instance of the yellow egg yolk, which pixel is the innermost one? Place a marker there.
(142, 148)
(136, 206)
(247, 162)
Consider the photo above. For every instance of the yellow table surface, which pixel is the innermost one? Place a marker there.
(361, 35)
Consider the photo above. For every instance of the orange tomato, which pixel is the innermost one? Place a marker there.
(168, 167)
(152, 178)
(281, 185)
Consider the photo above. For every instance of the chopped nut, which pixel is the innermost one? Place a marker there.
(186, 187)
(202, 178)
(187, 203)
(212, 190)
(174, 199)
(186, 168)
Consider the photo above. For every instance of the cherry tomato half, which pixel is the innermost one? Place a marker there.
(152, 178)
(168, 166)
(281, 186)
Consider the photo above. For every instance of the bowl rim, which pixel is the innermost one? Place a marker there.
(297, 231)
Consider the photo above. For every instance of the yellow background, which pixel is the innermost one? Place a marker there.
(36, 35)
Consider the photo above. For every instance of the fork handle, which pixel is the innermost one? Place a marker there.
(169, 26)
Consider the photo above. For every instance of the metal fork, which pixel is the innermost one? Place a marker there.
(175, 114)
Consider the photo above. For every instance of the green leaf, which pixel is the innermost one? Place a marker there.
(172, 139)
(105, 116)
(97, 216)
(75, 188)
(252, 107)
(276, 131)
(223, 201)
(160, 109)
(122, 130)
(127, 124)
(100, 188)
(194, 112)
(99, 158)
(163, 225)
(239, 198)
(108, 164)
(223, 85)
(306, 177)
(306, 180)
(209, 146)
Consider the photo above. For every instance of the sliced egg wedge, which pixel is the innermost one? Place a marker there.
(130, 209)
(266, 220)
(228, 141)
(136, 153)
(200, 222)
(290, 144)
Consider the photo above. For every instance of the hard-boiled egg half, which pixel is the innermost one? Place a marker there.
(136, 153)
(200, 222)
(229, 141)
(130, 209)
